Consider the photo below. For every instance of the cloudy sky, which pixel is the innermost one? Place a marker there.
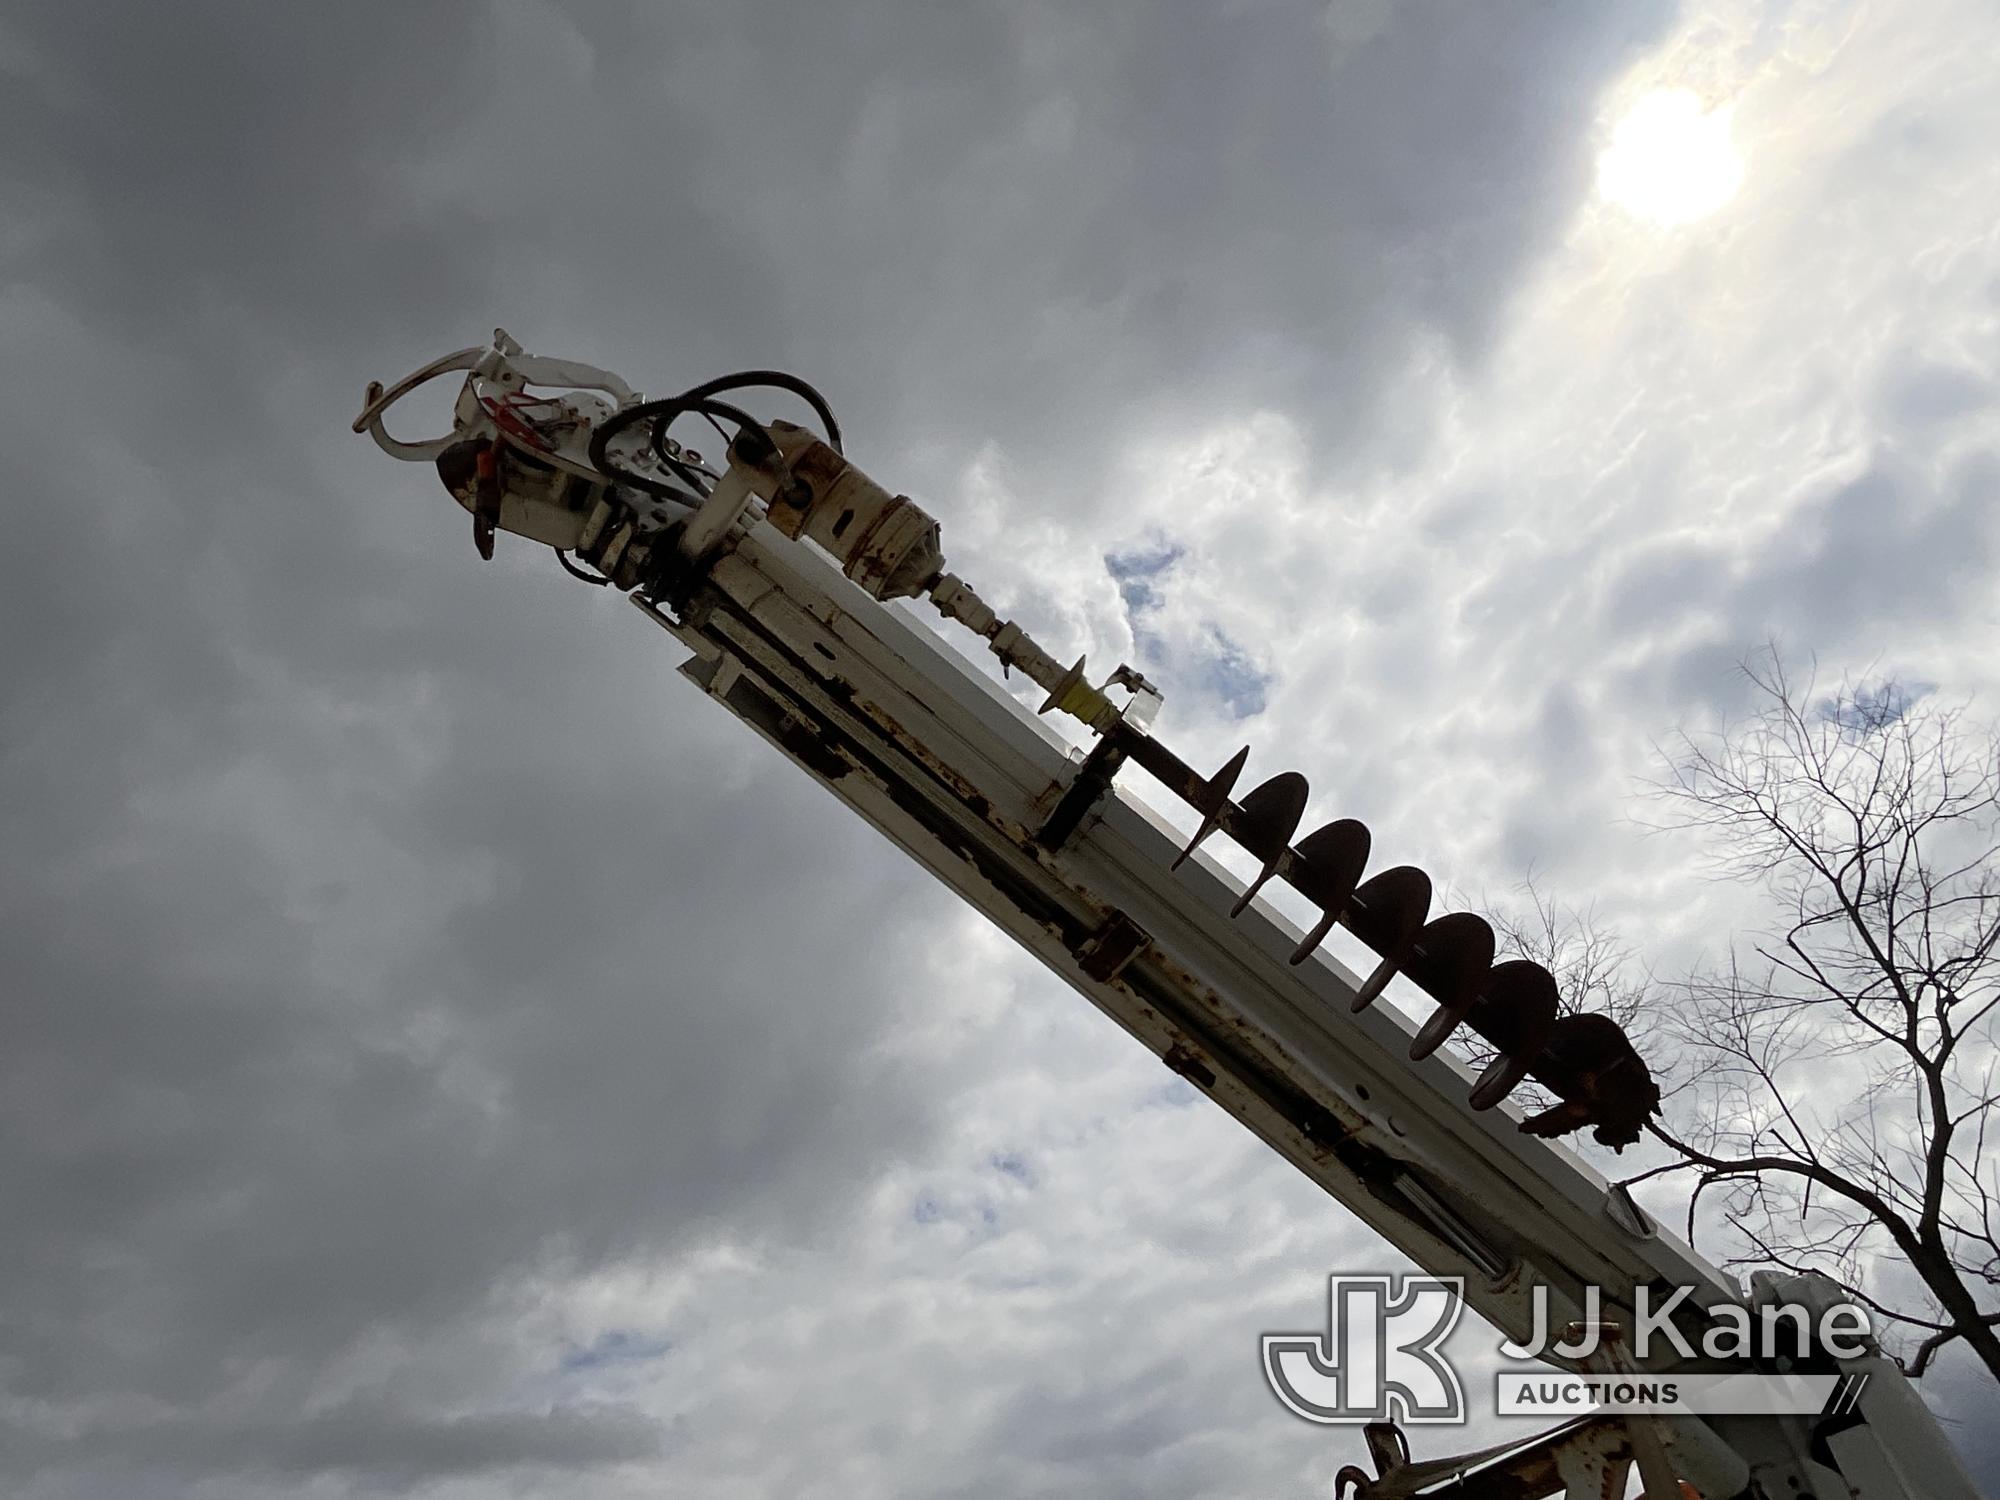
(404, 1085)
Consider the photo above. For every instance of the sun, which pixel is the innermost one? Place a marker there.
(1670, 160)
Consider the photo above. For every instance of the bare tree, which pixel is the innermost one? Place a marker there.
(1839, 1069)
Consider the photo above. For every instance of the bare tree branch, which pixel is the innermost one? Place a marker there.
(1839, 1072)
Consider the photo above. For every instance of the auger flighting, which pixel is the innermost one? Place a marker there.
(771, 565)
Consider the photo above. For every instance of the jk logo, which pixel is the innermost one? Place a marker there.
(1378, 1359)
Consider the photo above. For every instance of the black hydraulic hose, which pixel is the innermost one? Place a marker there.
(777, 380)
(700, 400)
(663, 414)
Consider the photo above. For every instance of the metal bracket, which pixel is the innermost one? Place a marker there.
(1105, 953)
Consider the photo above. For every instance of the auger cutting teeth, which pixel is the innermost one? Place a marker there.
(1515, 1012)
(1588, 1063)
(1449, 961)
(1324, 868)
(1213, 803)
(1386, 913)
(1266, 819)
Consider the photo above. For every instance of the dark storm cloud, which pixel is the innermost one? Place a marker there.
(230, 1154)
(380, 1446)
(1038, 222)
(382, 932)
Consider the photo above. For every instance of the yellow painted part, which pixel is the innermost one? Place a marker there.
(1084, 702)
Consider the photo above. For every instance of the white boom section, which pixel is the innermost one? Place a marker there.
(960, 775)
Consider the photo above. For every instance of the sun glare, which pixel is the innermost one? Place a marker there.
(1670, 160)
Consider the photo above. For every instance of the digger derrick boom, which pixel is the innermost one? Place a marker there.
(775, 571)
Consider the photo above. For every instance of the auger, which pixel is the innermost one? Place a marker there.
(774, 564)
